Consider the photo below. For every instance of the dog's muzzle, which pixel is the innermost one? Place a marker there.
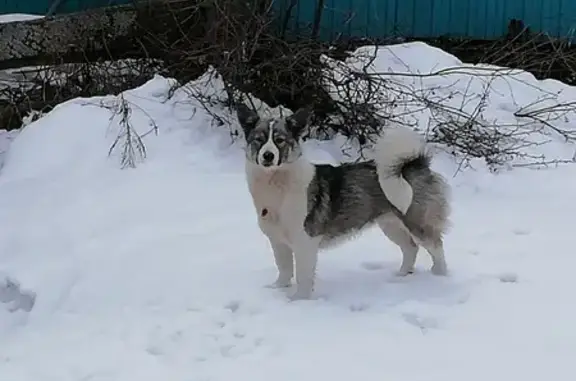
(267, 158)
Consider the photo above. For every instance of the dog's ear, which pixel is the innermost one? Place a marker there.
(298, 121)
(247, 117)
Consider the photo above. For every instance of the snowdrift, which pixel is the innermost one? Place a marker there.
(157, 272)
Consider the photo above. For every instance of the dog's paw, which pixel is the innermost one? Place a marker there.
(439, 270)
(404, 272)
(300, 294)
(280, 283)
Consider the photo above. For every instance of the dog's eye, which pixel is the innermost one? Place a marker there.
(280, 140)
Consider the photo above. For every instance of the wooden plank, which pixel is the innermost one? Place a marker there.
(405, 18)
(442, 16)
(477, 14)
(423, 18)
(567, 22)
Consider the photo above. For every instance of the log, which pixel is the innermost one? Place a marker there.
(148, 29)
(107, 33)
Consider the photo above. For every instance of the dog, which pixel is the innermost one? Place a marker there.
(303, 208)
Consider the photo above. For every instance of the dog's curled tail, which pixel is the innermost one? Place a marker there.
(396, 149)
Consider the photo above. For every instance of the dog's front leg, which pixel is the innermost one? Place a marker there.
(305, 257)
(284, 262)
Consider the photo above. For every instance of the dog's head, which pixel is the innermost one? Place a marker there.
(272, 142)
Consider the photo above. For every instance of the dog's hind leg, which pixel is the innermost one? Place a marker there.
(435, 248)
(395, 230)
(284, 262)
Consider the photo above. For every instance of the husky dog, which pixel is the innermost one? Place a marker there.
(303, 208)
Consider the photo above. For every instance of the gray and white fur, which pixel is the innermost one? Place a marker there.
(303, 208)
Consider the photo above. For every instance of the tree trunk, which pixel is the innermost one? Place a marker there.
(101, 34)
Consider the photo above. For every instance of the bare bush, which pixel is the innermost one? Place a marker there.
(129, 141)
(456, 115)
(244, 46)
(536, 52)
(27, 93)
(248, 47)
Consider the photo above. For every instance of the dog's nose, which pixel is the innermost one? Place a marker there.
(268, 156)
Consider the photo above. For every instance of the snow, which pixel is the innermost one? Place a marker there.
(13, 17)
(6, 138)
(157, 272)
(494, 96)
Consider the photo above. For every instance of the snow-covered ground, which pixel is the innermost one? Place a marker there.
(157, 273)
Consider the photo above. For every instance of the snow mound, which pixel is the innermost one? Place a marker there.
(6, 138)
(428, 88)
(157, 272)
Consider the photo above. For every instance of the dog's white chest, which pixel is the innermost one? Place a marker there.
(276, 199)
